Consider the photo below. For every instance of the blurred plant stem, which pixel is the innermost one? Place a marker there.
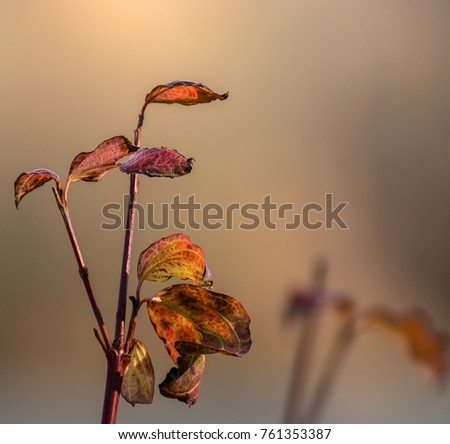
(334, 361)
(294, 412)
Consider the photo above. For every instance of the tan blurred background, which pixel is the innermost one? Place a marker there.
(343, 97)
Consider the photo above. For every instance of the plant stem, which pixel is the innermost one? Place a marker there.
(301, 368)
(82, 269)
(305, 347)
(119, 334)
(115, 367)
(114, 375)
(126, 262)
(132, 325)
(334, 361)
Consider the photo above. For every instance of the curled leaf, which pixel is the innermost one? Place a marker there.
(158, 162)
(173, 256)
(194, 320)
(92, 166)
(28, 182)
(183, 383)
(138, 379)
(183, 92)
(427, 346)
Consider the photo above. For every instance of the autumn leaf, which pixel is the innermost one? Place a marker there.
(183, 92)
(139, 378)
(28, 182)
(92, 166)
(183, 382)
(158, 162)
(194, 320)
(173, 256)
(427, 346)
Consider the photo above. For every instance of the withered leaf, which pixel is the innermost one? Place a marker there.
(183, 92)
(183, 383)
(158, 162)
(28, 182)
(173, 256)
(427, 346)
(191, 319)
(92, 166)
(138, 379)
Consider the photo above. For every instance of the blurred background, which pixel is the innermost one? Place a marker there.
(343, 97)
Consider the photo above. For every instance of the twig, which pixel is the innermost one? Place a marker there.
(82, 269)
(303, 356)
(114, 359)
(332, 365)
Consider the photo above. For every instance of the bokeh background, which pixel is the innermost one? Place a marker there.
(343, 97)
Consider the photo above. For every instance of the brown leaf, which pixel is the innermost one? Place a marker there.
(426, 345)
(183, 92)
(139, 378)
(28, 182)
(93, 165)
(191, 319)
(158, 162)
(183, 383)
(173, 256)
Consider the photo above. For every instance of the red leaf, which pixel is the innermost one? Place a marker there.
(158, 162)
(191, 319)
(92, 166)
(139, 379)
(183, 92)
(28, 182)
(183, 383)
(173, 256)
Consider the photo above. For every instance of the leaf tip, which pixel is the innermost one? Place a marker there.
(27, 182)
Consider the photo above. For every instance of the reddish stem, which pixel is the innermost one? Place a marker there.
(113, 384)
(126, 262)
(115, 368)
(83, 271)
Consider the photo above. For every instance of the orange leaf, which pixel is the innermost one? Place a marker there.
(426, 345)
(183, 92)
(194, 320)
(173, 256)
(28, 182)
